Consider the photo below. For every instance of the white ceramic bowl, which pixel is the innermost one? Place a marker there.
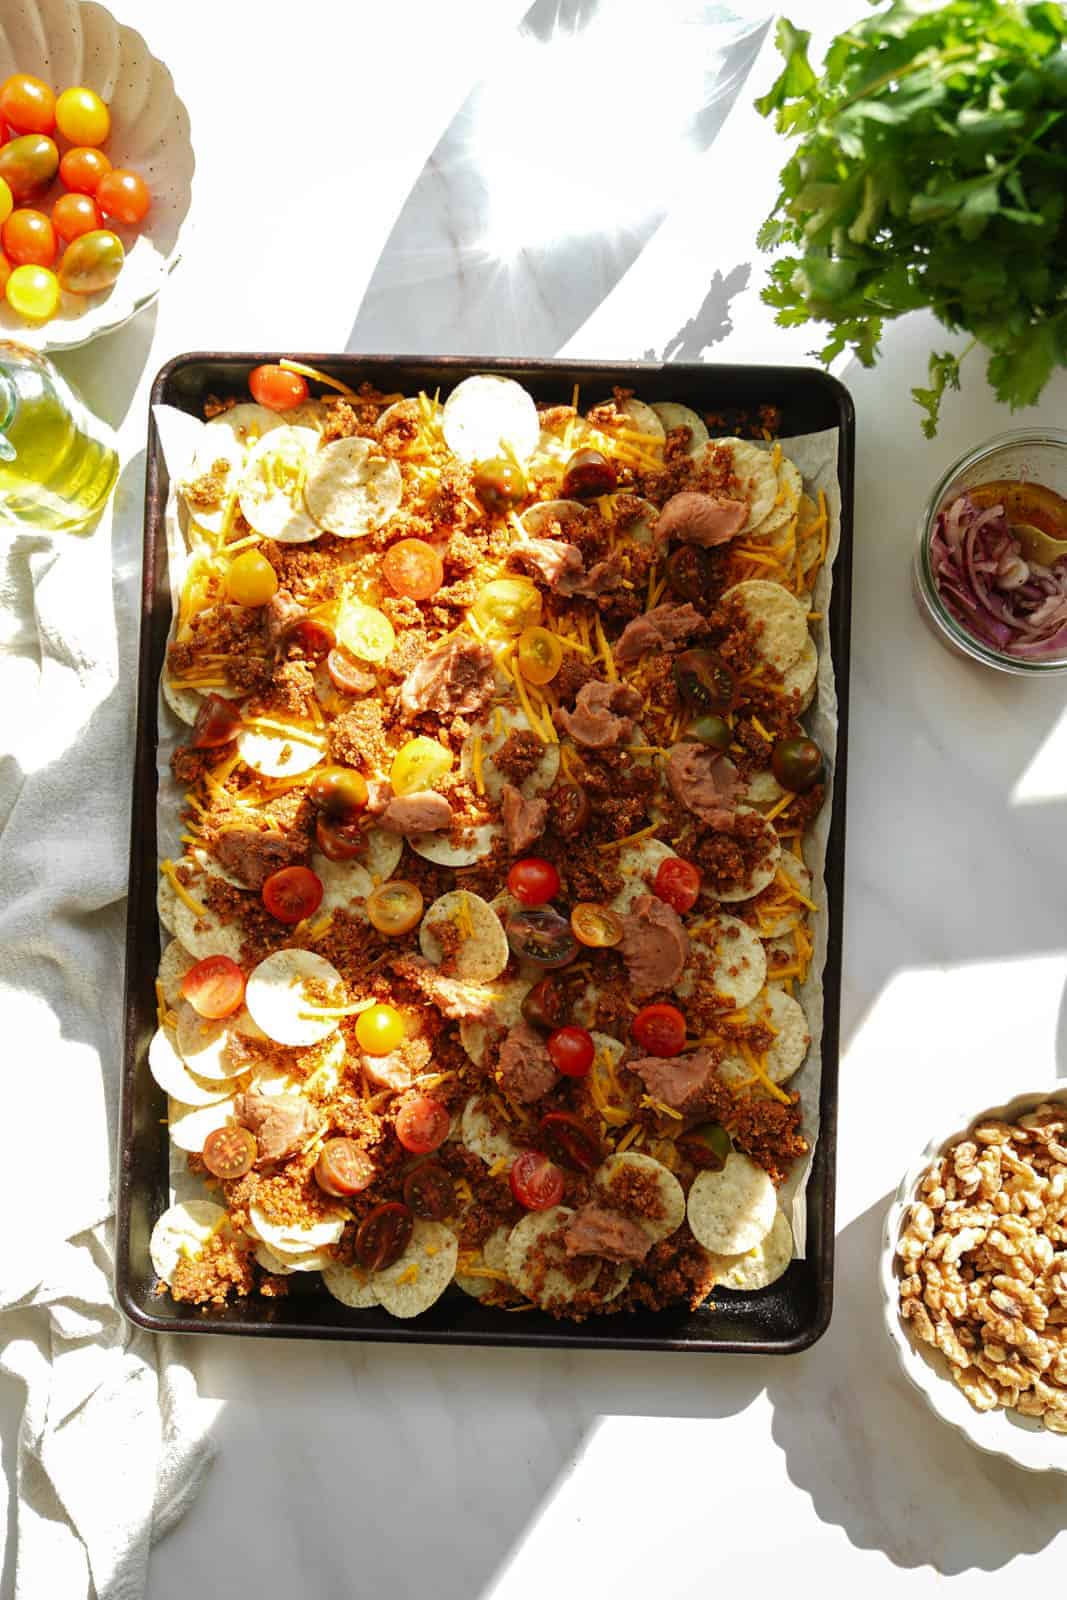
(69, 42)
(1000, 1433)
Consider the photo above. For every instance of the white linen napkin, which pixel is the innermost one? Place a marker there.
(113, 1439)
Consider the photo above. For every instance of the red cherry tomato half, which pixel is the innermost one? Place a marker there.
(536, 1182)
(228, 1153)
(123, 196)
(343, 1168)
(215, 987)
(27, 104)
(383, 1234)
(340, 841)
(571, 1051)
(413, 568)
(678, 883)
(422, 1124)
(659, 1029)
(292, 893)
(429, 1191)
(575, 1145)
(81, 169)
(216, 723)
(533, 881)
(29, 239)
(311, 635)
(276, 388)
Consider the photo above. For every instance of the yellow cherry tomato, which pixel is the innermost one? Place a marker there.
(7, 201)
(419, 764)
(82, 117)
(395, 907)
(365, 631)
(251, 580)
(540, 655)
(380, 1030)
(33, 292)
(507, 604)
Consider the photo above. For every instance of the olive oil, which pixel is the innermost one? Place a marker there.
(57, 467)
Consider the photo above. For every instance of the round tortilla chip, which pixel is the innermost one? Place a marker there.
(289, 1239)
(481, 1138)
(640, 418)
(247, 423)
(202, 936)
(793, 912)
(763, 874)
(184, 1228)
(280, 755)
(204, 1042)
(755, 470)
(271, 491)
(735, 958)
(671, 1194)
(779, 621)
(189, 1126)
(345, 885)
(537, 519)
(507, 999)
(173, 1076)
(174, 963)
(672, 415)
(438, 847)
(422, 1273)
(640, 527)
(800, 677)
(275, 997)
(218, 448)
(763, 789)
(353, 1286)
(282, 1266)
(483, 952)
(761, 1266)
(638, 863)
(185, 703)
(494, 730)
(352, 488)
(525, 1272)
(494, 1254)
(792, 1038)
(787, 499)
(486, 417)
(731, 1211)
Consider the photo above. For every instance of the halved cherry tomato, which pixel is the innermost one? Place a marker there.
(215, 987)
(571, 1051)
(383, 1235)
(429, 1191)
(596, 926)
(82, 117)
(419, 764)
(29, 238)
(533, 881)
(575, 1145)
(539, 654)
(545, 1005)
(570, 810)
(704, 682)
(542, 935)
(380, 1030)
(347, 675)
(311, 635)
(413, 568)
(27, 104)
(343, 1168)
(277, 389)
(678, 883)
(81, 170)
(216, 723)
(229, 1152)
(123, 196)
(340, 793)
(422, 1124)
(536, 1182)
(395, 907)
(75, 214)
(507, 604)
(689, 572)
(587, 474)
(292, 893)
(340, 841)
(659, 1029)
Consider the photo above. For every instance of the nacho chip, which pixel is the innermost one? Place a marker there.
(482, 952)
(174, 963)
(493, 1254)
(277, 1000)
(481, 1138)
(189, 1126)
(486, 417)
(779, 621)
(438, 847)
(292, 1239)
(173, 1076)
(671, 1194)
(761, 876)
(271, 491)
(736, 958)
(761, 1266)
(352, 488)
(353, 1286)
(489, 735)
(280, 755)
(183, 1229)
(421, 1274)
(731, 1211)
(672, 415)
(538, 1275)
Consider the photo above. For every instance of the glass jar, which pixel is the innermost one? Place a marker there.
(57, 462)
(1035, 455)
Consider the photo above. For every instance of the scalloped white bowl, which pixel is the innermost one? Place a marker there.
(1000, 1433)
(68, 42)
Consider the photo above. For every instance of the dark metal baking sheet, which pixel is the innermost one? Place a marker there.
(795, 1311)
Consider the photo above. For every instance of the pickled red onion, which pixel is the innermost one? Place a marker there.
(985, 582)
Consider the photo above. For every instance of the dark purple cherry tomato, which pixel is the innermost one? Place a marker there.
(383, 1235)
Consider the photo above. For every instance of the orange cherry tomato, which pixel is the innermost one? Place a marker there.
(343, 1168)
(383, 1235)
(536, 1182)
(413, 568)
(277, 389)
(394, 907)
(29, 239)
(123, 196)
(5, 272)
(571, 1051)
(659, 1029)
(292, 893)
(27, 104)
(596, 926)
(228, 1153)
(533, 881)
(422, 1124)
(75, 214)
(80, 170)
(216, 723)
(678, 883)
(215, 987)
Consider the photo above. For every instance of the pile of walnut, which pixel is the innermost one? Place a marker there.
(983, 1262)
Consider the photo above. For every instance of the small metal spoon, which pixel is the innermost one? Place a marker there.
(1038, 546)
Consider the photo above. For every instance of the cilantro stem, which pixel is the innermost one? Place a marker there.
(927, 59)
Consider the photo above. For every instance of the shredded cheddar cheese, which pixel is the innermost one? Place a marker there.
(170, 872)
(631, 838)
(476, 763)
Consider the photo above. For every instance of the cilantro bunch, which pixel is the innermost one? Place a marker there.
(931, 170)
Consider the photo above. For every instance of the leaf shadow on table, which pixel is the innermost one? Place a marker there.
(875, 1460)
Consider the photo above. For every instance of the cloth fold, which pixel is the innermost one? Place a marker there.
(114, 1440)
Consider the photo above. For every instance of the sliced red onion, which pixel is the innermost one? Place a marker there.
(987, 584)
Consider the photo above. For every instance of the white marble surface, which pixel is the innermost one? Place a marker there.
(391, 1472)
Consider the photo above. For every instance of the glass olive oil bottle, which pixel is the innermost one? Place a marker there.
(57, 467)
